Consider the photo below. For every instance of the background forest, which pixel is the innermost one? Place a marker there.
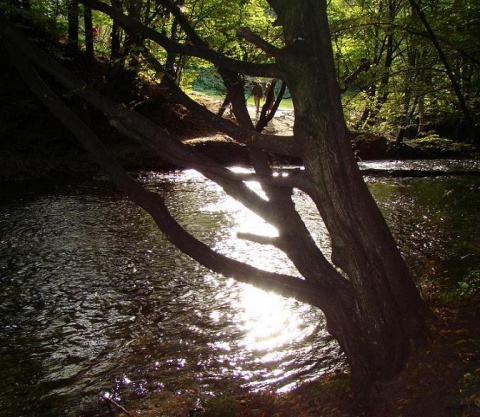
(407, 69)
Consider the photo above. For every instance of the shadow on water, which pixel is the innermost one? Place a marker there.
(95, 300)
(436, 224)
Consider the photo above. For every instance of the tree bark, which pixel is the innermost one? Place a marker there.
(72, 41)
(385, 313)
(472, 131)
(87, 19)
(115, 35)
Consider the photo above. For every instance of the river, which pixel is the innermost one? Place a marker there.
(94, 301)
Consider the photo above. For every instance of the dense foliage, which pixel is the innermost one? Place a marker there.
(407, 86)
(405, 93)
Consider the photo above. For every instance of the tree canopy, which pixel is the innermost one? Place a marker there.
(409, 90)
(409, 85)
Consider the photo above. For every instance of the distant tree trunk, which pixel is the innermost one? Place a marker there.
(472, 131)
(72, 41)
(87, 19)
(386, 76)
(171, 57)
(421, 116)
(129, 54)
(115, 36)
(385, 48)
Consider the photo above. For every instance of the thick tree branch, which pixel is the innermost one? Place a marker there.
(180, 18)
(153, 203)
(259, 42)
(263, 240)
(203, 52)
(364, 66)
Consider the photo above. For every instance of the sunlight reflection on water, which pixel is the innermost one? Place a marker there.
(268, 322)
(426, 164)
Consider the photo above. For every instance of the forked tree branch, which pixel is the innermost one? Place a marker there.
(153, 203)
(142, 129)
(149, 134)
(145, 132)
(203, 52)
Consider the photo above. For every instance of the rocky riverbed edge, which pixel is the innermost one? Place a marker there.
(64, 160)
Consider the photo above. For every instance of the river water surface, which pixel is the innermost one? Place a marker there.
(94, 301)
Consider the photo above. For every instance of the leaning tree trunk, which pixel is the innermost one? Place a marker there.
(376, 325)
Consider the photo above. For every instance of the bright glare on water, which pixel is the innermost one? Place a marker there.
(95, 299)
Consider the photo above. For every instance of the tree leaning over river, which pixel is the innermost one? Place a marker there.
(371, 304)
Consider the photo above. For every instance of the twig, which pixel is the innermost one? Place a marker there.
(113, 402)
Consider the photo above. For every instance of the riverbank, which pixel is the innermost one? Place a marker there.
(35, 146)
(442, 380)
